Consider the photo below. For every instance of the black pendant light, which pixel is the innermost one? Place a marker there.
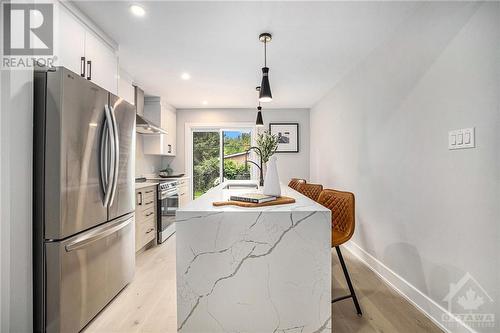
(265, 91)
(259, 122)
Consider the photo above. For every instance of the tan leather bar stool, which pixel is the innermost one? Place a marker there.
(342, 206)
(295, 182)
(310, 190)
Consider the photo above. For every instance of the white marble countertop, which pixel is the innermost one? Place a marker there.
(162, 179)
(253, 270)
(218, 193)
(145, 184)
(156, 177)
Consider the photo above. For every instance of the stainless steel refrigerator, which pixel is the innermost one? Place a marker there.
(83, 207)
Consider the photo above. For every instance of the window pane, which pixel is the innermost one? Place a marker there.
(206, 161)
(236, 144)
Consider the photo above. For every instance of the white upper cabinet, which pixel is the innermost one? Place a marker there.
(70, 41)
(165, 116)
(80, 49)
(125, 87)
(102, 63)
(171, 120)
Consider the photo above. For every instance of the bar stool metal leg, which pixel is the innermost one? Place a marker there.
(349, 284)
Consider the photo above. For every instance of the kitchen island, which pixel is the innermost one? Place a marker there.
(258, 270)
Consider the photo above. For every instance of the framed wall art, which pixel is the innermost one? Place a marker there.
(288, 136)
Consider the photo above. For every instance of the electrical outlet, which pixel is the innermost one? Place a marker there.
(461, 138)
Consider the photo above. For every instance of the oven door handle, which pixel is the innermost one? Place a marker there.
(167, 195)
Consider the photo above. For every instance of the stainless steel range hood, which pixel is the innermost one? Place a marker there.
(143, 125)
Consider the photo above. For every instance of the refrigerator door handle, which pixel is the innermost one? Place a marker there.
(104, 160)
(85, 240)
(107, 177)
(116, 143)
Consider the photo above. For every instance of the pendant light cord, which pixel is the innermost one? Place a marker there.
(265, 52)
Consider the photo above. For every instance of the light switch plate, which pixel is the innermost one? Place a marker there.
(461, 138)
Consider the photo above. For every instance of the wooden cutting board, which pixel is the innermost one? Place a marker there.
(280, 201)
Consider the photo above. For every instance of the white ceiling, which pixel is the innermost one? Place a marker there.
(314, 45)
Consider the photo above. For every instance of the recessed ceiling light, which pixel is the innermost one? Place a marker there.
(185, 76)
(137, 10)
(204, 102)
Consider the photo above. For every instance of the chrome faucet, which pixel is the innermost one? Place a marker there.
(261, 183)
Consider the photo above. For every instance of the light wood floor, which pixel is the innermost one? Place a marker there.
(148, 304)
(384, 310)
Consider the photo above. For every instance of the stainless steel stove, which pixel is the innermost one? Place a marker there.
(168, 202)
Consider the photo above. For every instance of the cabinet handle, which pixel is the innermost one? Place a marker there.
(152, 229)
(149, 191)
(82, 66)
(149, 214)
(169, 149)
(148, 203)
(140, 199)
(89, 70)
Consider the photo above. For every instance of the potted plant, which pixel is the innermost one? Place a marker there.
(267, 143)
(166, 172)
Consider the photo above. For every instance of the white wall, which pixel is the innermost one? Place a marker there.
(289, 164)
(145, 164)
(429, 214)
(16, 149)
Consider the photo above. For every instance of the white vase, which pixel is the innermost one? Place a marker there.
(272, 181)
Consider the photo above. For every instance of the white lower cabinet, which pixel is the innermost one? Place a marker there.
(184, 198)
(145, 216)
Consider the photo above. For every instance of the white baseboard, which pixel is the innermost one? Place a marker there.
(422, 302)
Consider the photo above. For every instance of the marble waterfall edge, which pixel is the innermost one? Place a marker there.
(254, 270)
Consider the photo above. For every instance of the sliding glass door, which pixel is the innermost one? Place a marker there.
(219, 154)
(235, 146)
(206, 161)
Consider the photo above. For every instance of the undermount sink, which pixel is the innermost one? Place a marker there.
(240, 186)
